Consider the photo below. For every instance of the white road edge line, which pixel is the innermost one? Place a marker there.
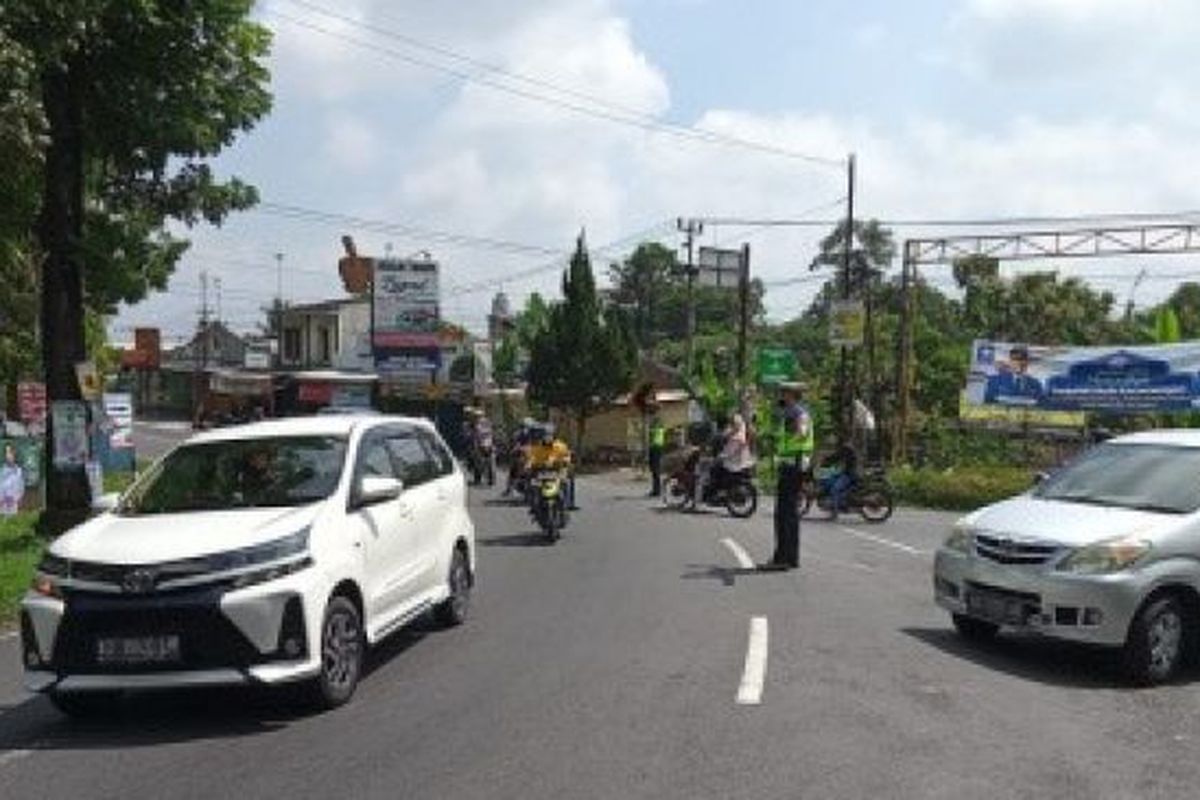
(755, 672)
(870, 537)
(739, 552)
(10, 756)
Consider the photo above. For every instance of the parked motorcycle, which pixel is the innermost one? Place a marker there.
(871, 496)
(735, 491)
(546, 504)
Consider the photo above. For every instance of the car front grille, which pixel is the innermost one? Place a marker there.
(1004, 550)
(208, 640)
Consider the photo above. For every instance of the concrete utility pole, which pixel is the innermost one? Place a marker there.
(278, 310)
(691, 229)
(201, 362)
(843, 410)
(743, 318)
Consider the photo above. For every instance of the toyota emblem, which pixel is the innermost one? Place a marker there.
(139, 581)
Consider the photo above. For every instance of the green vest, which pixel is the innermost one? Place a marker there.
(658, 436)
(792, 445)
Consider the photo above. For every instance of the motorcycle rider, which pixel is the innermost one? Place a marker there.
(548, 452)
(844, 477)
(518, 453)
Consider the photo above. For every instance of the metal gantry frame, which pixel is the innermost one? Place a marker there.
(1083, 242)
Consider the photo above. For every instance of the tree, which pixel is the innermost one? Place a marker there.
(640, 284)
(1186, 302)
(134, 98)
(1166, 325)
(582, 360)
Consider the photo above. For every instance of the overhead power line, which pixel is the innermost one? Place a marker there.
(982, 222)
(595, 107)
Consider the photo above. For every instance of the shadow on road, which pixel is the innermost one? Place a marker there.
(726, 575)
(151, 718)
(1062, 664)
(536, 539)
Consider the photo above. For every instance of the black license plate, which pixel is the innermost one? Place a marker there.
(138, 650)
(997, 607)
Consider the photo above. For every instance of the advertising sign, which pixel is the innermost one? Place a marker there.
(406, 319)
(719, 268)
(847, 320)
(69, 418)
(31, 403)
(1062, 378)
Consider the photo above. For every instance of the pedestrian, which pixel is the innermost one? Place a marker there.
(796, 441)
(658, 443)
(12, 483)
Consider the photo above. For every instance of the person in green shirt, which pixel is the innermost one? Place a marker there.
(658, 443)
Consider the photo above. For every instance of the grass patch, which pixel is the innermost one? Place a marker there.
(958, 488)
(20, 549)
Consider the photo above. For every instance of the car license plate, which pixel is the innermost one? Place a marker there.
(996, 607)
(138, 650)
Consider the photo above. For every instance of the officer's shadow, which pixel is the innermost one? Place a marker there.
(726, 575)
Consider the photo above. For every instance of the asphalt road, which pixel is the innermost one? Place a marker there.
(611, 665)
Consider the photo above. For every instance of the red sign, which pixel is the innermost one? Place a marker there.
(31, 402)
(147, 342)
(316, 393)
(399, 340)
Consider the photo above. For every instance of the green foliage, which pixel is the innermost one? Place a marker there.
(583, 358)
(20, 549)
(962, 488)
(1166, 326)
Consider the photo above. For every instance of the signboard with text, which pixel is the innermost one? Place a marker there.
(847, 320)
(776, 365)
(719, 268)
(31, 403)
(406, 316)
(1131, 379)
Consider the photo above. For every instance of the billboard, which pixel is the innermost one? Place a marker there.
(1131, 379)
(847, 321)
(721, 269)
(405, 314)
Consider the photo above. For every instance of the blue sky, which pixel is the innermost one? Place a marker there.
(956, 108)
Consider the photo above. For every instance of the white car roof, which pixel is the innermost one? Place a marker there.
(1179, 437)
(327, 425)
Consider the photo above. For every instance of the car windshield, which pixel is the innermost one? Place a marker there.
(245, 473)
(1147, 477)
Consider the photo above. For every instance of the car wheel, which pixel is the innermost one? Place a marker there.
(453, 611)
(1157, 642)
(83, 705)
(976, 630)
(343, 644)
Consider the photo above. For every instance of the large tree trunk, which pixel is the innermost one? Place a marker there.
(59, 231)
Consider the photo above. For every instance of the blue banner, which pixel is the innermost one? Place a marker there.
(1113, 379)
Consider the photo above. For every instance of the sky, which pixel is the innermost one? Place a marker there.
(489, 133)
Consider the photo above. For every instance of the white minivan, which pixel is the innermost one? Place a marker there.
(263, 554)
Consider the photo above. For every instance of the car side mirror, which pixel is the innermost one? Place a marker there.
(106, 502)
(377, 489)
(1040, 478)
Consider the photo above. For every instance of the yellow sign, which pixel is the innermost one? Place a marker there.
(89, 380)
(847, 321)
(435, 391)
(1015, 415)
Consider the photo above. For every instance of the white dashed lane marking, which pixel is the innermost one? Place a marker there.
(755, 672)
(739, 552)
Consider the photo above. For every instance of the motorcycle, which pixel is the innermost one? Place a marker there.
(546, 504)
(735, 491)
(871, 496)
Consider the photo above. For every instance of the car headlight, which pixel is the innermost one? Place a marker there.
(959, 540)
(294, 544)
(46, 578)
(1105, 557)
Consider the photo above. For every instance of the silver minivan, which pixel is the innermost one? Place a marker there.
(1105, 551)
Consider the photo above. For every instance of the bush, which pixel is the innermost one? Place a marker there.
(959, 489)
(20, 549)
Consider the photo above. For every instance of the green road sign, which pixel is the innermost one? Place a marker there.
(776, 364)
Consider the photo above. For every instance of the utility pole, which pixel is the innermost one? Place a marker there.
(217, 288)
(278, 310)
(843, 405)
(908, 287)
(743, 319)
(691, 228)
(200, 372)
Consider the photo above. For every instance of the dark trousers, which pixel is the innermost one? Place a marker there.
(787, 516)
(656, 455)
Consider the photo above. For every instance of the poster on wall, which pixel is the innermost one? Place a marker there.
(69, 419)
(1133, 379)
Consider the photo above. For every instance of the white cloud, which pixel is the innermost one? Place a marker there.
(351, 142)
